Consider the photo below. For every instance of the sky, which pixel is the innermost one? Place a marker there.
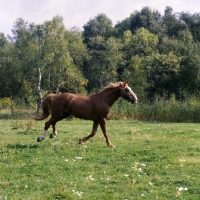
(78, 12)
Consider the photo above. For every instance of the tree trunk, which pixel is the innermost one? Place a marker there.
(40, 96)
(11, 104)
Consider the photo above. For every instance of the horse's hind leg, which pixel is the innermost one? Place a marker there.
(54, 133)
(47, 125)
(94, 130)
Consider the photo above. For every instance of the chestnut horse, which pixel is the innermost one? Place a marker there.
(95, 107)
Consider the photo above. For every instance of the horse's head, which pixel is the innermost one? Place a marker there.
(127, 93)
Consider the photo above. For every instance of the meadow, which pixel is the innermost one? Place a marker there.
(151, 160)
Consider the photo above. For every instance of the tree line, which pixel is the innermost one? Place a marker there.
(158, 54)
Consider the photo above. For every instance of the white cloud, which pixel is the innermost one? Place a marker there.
(79, 12)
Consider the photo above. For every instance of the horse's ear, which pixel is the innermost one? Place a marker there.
(122, 85)
(125, 84)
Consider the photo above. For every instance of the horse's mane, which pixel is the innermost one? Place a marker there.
(112, 85)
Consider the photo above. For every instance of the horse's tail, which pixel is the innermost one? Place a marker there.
(46, 106)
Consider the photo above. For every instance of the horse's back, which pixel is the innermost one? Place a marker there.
(84, 107)
(68, 102)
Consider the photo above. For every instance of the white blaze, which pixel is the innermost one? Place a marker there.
(133, 94)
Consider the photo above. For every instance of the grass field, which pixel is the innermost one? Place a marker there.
(150, 161)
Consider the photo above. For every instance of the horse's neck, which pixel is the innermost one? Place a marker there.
(109, 95)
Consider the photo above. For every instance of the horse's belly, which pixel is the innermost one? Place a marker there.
(87, 110)
(85, 115)
(89, 114)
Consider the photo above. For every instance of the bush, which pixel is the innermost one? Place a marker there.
(5, 102)
(162, 110)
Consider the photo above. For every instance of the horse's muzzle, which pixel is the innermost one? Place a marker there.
(133, 100)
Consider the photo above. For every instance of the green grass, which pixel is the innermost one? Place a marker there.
(150, 161)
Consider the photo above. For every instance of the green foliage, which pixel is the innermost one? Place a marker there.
(160, 110)
(105, 57)
(138, 49)
(98, 26)
(172, 23)
(162, 75)
(5, 103)
(157, 54)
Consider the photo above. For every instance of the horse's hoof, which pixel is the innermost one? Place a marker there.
(52, 136)
(39, 139)
(80, 141)
(111, 145)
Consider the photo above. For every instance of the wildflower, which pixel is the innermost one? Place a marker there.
(182, 189)
(79, 158)
(126, 175)
(77, 192)
(66, 160)
(90, 178)
(150, 183)
(140, 169)
(133, 181)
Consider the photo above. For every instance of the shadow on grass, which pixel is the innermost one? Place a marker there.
(23, 146)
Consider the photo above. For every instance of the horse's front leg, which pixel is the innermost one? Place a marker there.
(103, 128)
(94, 130)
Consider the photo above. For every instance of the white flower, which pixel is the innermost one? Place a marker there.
(126, 175)
(90, 178)
(150, 183)
(79, 158)
(77, 192)
(181, 189)
(66, 160)
(140, 169)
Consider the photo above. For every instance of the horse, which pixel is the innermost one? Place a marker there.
(95, 107)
